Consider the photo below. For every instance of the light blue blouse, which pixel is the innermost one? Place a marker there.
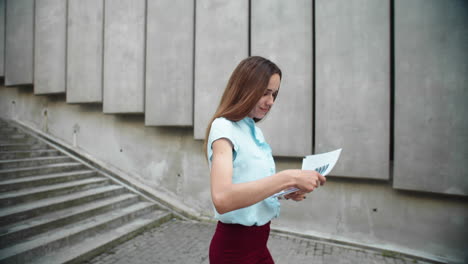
(252, 160)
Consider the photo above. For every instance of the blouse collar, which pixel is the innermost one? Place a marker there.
(253, 130)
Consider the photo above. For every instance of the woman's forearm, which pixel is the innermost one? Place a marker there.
(228, 196)
(233, 196)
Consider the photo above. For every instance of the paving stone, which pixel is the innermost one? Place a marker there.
(399, 261)
(188, 242)
(319, 246)
(389, 260)
(327, 249)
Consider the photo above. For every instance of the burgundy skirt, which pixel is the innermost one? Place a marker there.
(233, 243)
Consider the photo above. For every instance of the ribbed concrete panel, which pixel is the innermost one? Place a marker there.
(50, 46)
(352, 85)
(124, 56)
(19, 43)
(169, 63)
(84, 51)
(2, 37)
(282, 32)
(222, 30)
(431, 95)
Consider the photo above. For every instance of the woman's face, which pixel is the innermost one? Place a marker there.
(268, 99)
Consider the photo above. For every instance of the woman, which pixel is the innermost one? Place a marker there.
(243, 177)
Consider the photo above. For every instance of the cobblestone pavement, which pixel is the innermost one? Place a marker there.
(187, 242)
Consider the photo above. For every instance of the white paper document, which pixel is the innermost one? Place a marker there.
(321, 163)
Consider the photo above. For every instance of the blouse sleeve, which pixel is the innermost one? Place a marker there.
(221, 128)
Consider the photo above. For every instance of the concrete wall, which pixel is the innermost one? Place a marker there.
(140, 57)
(2, 37)
(221, 42)
(169, 63)
(169, 161)
(50, 46)
(85, 30)
(287, 40)
(124, 56)
(353, 85)
(431, 95)
(19, 42)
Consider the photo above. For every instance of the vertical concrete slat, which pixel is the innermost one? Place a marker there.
(19, 43)
(169, 63)
(282, 32)
(431, 95)
(2, 37)
(221, 42)
(84, 51)
(50, 46)
(352, 85)
(124, 56)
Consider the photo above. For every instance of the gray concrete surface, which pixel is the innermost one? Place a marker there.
(2, 37)
(169, 63)
(222, 41)
(84, 51)
(124, 56)
(19, 42)
(431, 77)
(282, 32)
(352, 85)
(50, 46)
(170, 164)
(188, 242)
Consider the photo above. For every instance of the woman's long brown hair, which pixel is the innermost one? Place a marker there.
(247, 84)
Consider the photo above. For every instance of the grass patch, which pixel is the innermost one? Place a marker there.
(389, 254)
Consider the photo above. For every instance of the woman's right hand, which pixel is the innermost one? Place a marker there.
(307, 180)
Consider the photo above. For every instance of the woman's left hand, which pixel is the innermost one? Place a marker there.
(296, 196)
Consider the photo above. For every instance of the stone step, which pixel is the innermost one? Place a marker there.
(53, 190)
(41, 170)
(55, 209)
(17, 134)
(103, 241)
(53, 240)
(28, 140)
(20, 212)
(21, 230)
(22, 146)
(28, 154)
(7, 128)
(17, 139)
(36, 181)
(33, 162)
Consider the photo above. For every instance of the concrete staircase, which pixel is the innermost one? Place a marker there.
(55, 209)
